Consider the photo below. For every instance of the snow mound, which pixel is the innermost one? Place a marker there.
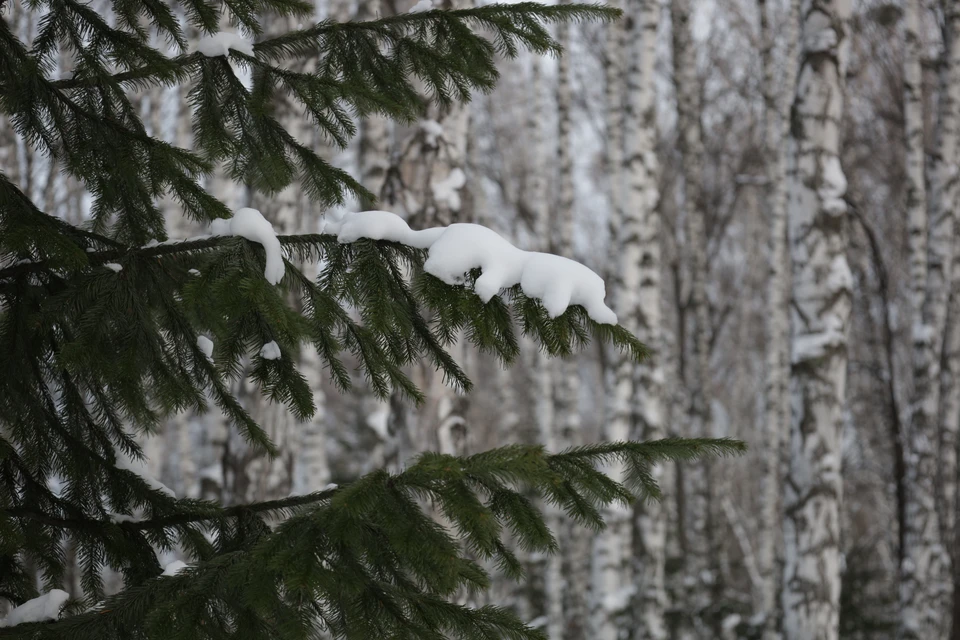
(120, 518)
(136, 466)
(456, 250)
(270, 351)
(45, 607)
(113, 266)
(423, 5)
(174, 568)
(381, 225)
(220, 44)
(464, 247)
(250, 224)
(375, 225)
(560, 282)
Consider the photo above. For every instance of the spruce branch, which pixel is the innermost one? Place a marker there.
(107, 333)
(189, 512)
(361, 67)
(395, 566)
(176, 70)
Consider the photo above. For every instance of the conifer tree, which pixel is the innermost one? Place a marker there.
(108, 328)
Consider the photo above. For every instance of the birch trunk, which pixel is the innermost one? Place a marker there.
(949, 428)
(640, 310)
(697, 568)
(375, 129)
(950, 416)
(949, 425)
(311, 467)
(611, 582)
(9, 141)
(569, 574)
(916, 186)
(821, 306)
(9, 156)
(550, 407)
(444, 196)
(776, 94)
(925, 577)
(509, 430)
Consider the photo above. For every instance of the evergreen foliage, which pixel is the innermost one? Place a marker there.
(93, 355)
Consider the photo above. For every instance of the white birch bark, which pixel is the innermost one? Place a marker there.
(447, 204)
(950, 420)
(950, 429)
(916, 186)
(550, 410)
(509, 430)
(9, 156)
(374, 154)
(311, 467)
(375, 129)
(611, 582)
(568, 574)
(776, 95)
(432, 169)
(925, 573)
(697, 563)
(9, 141)
(443, 197)
(949, 192)
(543, 365)
(640, 309)
(820, 316)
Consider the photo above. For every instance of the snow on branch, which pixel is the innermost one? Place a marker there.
(205, 345)
(250, 224)
(381, 225)
(220, 44)
(41, 608)
(174, 568)
(454, 251)
(270, 351)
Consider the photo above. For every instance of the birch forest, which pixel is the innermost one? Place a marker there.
(771, 190)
